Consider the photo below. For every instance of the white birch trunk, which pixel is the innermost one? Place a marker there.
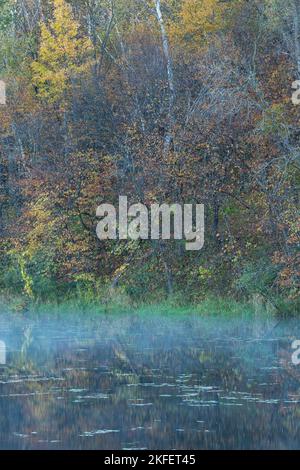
(296, 5)
(171, 86)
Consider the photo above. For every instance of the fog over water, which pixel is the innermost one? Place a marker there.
(158, 383)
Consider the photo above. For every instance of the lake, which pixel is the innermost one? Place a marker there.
(158, 383)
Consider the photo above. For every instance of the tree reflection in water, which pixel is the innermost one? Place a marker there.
(126, 383)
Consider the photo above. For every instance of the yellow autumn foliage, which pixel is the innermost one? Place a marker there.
(62, 53)
(195, 20)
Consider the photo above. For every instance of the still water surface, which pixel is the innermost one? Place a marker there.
(160, 383)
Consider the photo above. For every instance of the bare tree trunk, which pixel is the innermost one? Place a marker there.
(169, 278)
(296, 4)
(166, 49)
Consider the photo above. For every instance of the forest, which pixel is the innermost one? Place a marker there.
(164, 101)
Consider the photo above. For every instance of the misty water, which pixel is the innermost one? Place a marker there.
(155, 383)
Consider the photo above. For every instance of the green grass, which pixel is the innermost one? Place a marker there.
(118, 304)
(210, 307)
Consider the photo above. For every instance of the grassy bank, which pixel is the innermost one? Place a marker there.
(119, 304)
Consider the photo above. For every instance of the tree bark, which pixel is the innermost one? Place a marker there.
(296, 4)
(170, 74)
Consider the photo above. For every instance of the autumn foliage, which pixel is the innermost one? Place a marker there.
(107, 98)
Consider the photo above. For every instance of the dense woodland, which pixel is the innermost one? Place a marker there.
(183, 101)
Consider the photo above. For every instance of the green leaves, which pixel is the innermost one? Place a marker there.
(7, 11)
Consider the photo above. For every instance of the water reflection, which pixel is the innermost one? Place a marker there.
(148, 384)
